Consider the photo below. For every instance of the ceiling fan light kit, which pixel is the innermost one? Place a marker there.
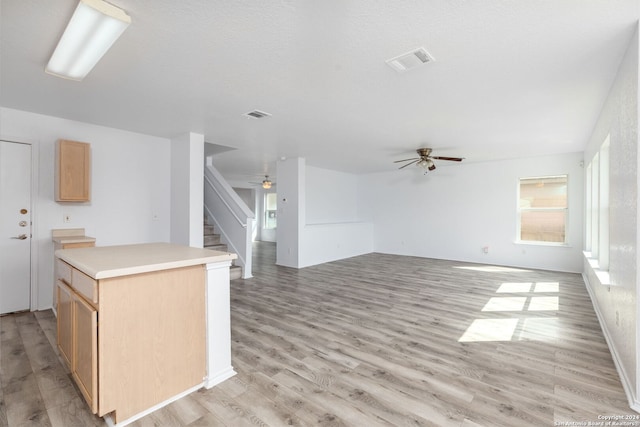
(266, 184)
(426, 160)
(92, 30)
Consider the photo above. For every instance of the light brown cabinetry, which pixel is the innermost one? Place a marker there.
(65, 321)
(73, 171)
(85, 352)
(62, 270)
(77, 335)
(136, 340)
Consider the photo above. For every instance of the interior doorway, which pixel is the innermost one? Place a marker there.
(15, 226)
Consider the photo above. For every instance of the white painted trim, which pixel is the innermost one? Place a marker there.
(218, 312)
(624, 378)
(109, 421)
(34, 289)
(219, 377)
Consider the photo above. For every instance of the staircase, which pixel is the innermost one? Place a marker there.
(212, 241)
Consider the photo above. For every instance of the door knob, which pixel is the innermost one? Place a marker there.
(20, 237)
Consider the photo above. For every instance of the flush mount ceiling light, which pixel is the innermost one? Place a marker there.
(93, 28)
(266, 184)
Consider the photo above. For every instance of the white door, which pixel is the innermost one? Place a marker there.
(15, 227)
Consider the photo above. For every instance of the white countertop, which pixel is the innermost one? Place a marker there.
(64, 240)
(112, 261)
(70, 235)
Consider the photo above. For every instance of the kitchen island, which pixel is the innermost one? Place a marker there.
(143, 325)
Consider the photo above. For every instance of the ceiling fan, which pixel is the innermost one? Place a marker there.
(266, 182)
(426, 159)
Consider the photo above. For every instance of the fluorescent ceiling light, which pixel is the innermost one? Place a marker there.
(93, 28)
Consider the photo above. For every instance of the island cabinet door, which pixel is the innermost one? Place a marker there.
(65, 322)
(85, 360)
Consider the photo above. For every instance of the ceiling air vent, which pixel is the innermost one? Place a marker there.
(257, 114)
(410, 60)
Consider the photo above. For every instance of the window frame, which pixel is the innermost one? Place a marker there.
(266, 220)
(597, 190)
(564, 210)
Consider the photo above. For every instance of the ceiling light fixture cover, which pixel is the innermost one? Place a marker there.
(92, 30)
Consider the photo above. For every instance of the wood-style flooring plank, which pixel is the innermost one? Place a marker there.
(375, 340)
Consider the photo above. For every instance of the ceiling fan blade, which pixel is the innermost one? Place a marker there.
(406, 160)
(453, 159)
(409, 164)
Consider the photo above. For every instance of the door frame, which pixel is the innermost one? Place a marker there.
(35, 151)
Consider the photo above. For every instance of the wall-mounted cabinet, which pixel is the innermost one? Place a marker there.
(73, 171)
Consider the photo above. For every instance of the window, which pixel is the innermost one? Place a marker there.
(270, 209)
(597, 208)
(543, 209)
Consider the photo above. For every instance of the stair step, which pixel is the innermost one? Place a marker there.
(211, 239)
(235, 272)
(217, 247)
(212, 242)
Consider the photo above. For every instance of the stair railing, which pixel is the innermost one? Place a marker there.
(230, 215)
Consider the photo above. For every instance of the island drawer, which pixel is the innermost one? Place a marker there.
(63, 271)
(85, 285)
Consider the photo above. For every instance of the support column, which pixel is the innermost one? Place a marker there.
(187, 189)
(218, 296)
(291, 211)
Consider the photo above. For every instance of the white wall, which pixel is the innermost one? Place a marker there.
(332, 196)
(130, 187)
(616, 304)
(456, 210)
(332, 229)
(247, 195)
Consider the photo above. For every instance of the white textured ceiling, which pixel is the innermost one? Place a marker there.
(511, 77)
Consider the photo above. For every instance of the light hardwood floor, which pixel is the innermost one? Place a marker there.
(371, 340)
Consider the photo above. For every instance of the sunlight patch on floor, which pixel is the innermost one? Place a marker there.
(540, 329)
(547, 287)
(505, 304)
(512, 288)
(527, 299)
(543, 304)
(490, 330)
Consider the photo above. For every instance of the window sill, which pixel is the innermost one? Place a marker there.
(602, 275)
(551, 244)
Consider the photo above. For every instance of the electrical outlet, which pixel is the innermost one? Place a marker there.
(66, 218)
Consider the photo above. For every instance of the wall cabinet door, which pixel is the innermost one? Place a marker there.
(85, 355)
(73, 171)
(65, 322)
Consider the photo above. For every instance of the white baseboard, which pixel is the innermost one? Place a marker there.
(219, 377)
(110, 423)
(627, 384)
